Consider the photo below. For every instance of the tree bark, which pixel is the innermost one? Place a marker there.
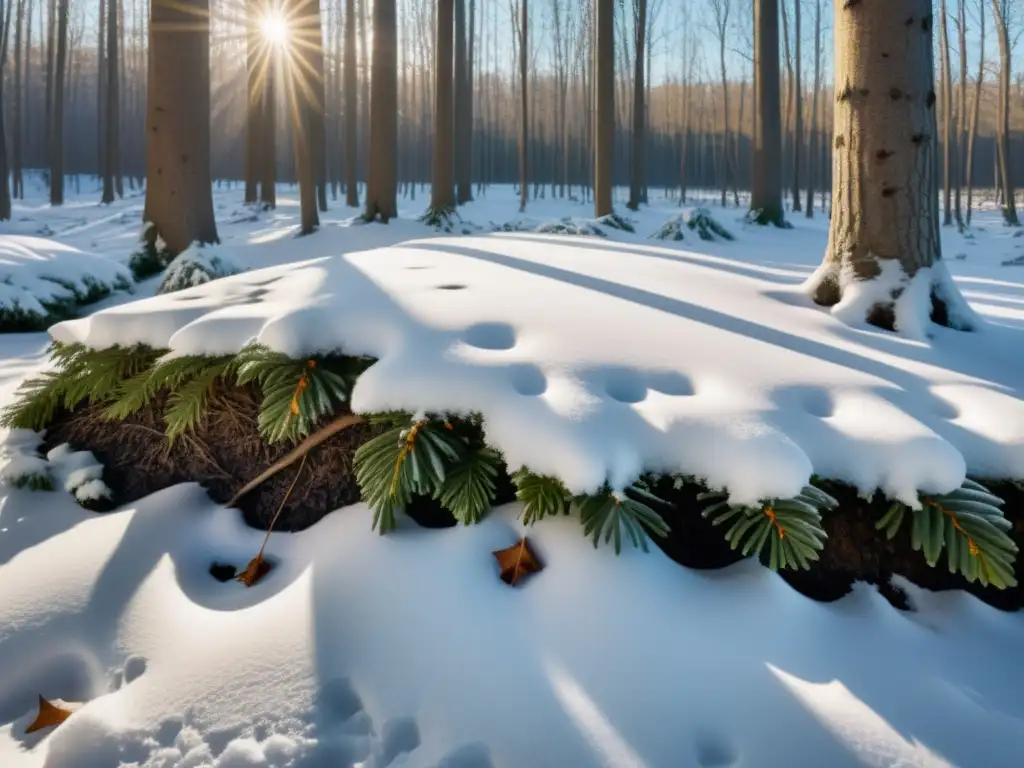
(604, 97)
(268, 136)
(961, 157)
(101, 86)
(57, 129)
(113, 117)
(524, 133)
(1003, 132)
(884, 232)
(442, 192)
(813, 136)
(975, 109)
(636, 184)
(303, 106)
(179, 193)
(461, 158)
(798, 87)
(18, 161)
(258, 55)
(381, 187)
(317, 103)
(351, 107)
(766, 196)
(947, 118)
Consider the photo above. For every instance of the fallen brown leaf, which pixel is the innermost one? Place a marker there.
(254, 571)
(49, 714)
(517, 561)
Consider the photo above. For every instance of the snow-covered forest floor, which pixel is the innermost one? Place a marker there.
(591, 358)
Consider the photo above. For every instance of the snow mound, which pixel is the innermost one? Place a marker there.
(196, 265)
(43, 281)
(593, 361)
(707, 227)
(310, 668)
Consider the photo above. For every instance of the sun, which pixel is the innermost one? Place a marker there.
(275, 29)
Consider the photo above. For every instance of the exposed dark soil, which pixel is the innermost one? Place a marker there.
(225, 452)
(855, 551)
(222, 454)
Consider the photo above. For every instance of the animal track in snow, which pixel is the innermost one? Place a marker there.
(528, 380)
(714, 751)
(496, 336)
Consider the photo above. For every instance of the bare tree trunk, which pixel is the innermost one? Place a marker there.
(113, 118)
(975, 109)
(303, 106)
(798, 88)
(462, 86)
(947, 117)
(179, 194)
(961, 157)
(351, 107)
(524, 105)
(5, 170)
(1003, 134)
(813, 137)
(51, 48)
(466, 189)
(884, 217)
(257, 61)
(766, 197)
(18, 161)
(317, 103)
(636, 186)
(101, 86)
(57, 130)
(364, 66)
(268, 135)
(381, 185)
(442, 191)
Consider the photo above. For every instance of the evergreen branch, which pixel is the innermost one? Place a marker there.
(402, 463)
(969, 525)
(468, 488)
(541, 496)
(613, 514)
(172, 375)
(790, 527)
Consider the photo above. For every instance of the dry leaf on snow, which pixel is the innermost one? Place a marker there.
(256, 570)
(49, 714)
(517, 561)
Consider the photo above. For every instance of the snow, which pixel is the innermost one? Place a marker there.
(595, 360)
(196, 265)
(37, 274)
(593, 357)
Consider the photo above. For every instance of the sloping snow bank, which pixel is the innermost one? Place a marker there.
(41, 279)
(593, 361)
(356, 649)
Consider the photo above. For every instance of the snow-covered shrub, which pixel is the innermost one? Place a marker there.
(1016, 261)
(707, 228)
(43, 281)
(671, 229)
(570, 226)
(441, 219)
(26, 471)
(196, 265)
(615, 221)
(152, 256)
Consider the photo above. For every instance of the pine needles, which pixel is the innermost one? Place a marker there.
(791, 528)
(969, 524)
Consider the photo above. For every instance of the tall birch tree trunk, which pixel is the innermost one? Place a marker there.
(948, 138)
(975, 110)
(884, 234)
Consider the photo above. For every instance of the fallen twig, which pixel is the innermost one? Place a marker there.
(297, 453)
